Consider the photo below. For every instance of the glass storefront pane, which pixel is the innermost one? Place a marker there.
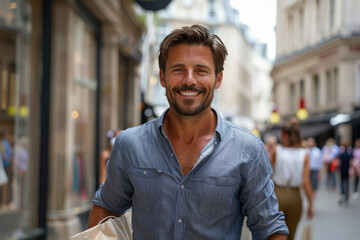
(15, 68)
(83, 112)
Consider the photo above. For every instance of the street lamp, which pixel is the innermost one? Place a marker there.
(302, 113)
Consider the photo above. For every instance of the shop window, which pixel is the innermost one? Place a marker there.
(83, 111)
(16, 164)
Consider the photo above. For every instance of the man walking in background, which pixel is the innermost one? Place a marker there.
(316, 164)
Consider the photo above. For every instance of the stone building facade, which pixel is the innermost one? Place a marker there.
(317, 61)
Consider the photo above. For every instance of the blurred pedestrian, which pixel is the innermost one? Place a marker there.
(105, 154)
(270, 144)
(21, 160)
(355, 167)
(3, 185)
(316, 164)
(329, 153)
(345, 157)
(291, 171)
(7, 154)
(189, 174)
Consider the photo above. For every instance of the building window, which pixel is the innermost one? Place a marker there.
(290, 31)
(302, 88)
(330, 87)
(318, 17)
(292, 97)
(316, 92)
(335, 83)
(301, 26)
(212, 10)
(162, 30)
(332, 13)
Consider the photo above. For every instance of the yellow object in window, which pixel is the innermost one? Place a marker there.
(24, 111)
(11, 110)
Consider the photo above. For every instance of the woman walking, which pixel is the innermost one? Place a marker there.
(291, 171)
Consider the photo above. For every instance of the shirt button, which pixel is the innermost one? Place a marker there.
(172, 154)
(179, 220)
(145, 172)
(182, 186)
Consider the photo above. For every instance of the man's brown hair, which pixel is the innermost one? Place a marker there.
(196, 34)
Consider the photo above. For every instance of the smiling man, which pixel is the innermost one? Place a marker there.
(189, 174)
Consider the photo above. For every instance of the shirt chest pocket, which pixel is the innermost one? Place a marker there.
(147, 189)
(217, 196)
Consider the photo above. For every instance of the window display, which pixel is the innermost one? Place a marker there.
(83, 112)
(15, 32)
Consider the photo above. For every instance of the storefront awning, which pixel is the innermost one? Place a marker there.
(313, 130)
(306, 130)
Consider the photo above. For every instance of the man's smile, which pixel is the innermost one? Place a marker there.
(189, 93)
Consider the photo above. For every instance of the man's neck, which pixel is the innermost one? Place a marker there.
(189, 128)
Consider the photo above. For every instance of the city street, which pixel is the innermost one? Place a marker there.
(332, 221)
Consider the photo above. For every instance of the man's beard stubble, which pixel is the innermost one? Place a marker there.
(188, 110)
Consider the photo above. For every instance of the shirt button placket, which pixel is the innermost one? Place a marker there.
(180, 212)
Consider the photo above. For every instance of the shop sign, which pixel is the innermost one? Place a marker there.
(153, 5)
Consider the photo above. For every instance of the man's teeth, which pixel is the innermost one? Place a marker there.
(189, 93)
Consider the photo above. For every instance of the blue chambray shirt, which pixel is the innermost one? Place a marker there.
(230, 180)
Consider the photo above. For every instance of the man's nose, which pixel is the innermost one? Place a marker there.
(189, 78)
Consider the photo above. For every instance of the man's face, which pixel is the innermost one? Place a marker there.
(189, 78)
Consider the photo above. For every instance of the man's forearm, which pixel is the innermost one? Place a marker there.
(277, 236)
(97, 214)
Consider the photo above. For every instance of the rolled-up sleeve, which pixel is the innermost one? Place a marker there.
(259, 202)
(115, 193)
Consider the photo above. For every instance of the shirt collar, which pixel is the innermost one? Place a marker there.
(219, 130)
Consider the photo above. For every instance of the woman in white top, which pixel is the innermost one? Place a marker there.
(291, 171)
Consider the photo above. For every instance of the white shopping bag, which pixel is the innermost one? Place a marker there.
(115, 228)
(306, 233)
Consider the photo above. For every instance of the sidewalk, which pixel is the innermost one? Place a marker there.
(331, 221)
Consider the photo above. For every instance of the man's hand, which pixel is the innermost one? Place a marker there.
(97, 214)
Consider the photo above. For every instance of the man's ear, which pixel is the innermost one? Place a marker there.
(162, 77)
(219, 78)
